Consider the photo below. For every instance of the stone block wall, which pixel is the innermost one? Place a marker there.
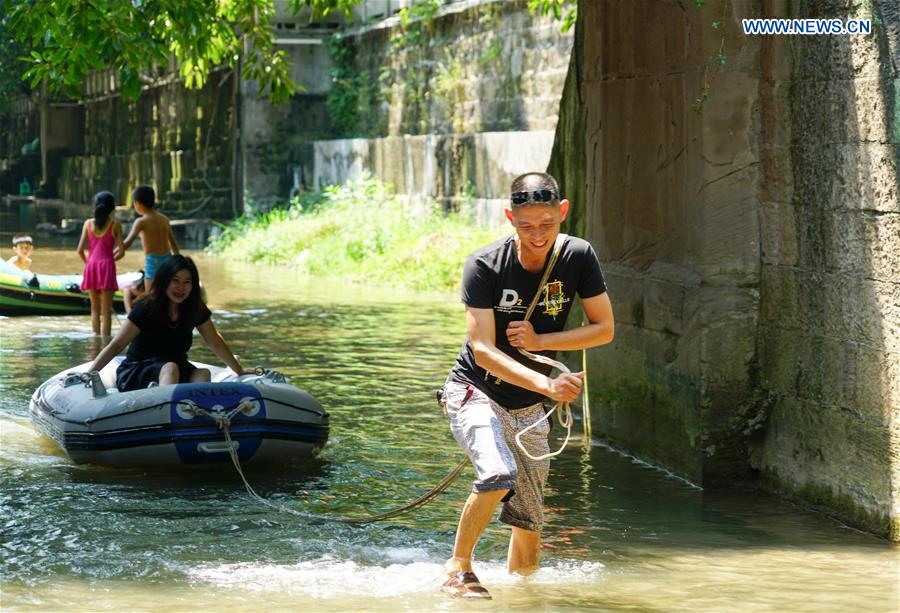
(671, 210)
(450, 107)
(829, 334)
(473, 67)
(174, 138)
(751, 251)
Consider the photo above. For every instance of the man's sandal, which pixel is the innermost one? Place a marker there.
(465, 585)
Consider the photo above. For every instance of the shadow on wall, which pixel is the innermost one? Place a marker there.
(830, 315)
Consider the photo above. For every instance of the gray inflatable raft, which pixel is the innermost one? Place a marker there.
(269, 420)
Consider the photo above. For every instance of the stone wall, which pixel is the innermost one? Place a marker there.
(829, 335)
(174, 138)
(672, 212)
(483, 79)
(751, 250)
(472, 67)
(457, 170)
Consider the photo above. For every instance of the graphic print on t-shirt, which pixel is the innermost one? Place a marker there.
(494, 278)
(553, 301)
(554, 298)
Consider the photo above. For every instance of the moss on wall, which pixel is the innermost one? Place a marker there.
(491, 67)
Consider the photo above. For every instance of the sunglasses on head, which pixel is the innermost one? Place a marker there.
(537, 196)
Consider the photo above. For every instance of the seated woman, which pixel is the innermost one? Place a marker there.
(160, 330)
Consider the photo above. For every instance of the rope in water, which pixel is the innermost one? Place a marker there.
(223, 422)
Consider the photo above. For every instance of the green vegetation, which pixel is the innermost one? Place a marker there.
(62, 41)
(363, 81)
(562, 10)
(362, 231)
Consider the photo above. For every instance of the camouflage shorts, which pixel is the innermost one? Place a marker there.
(486, 432)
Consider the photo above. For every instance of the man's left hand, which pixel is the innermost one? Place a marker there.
(522, 335)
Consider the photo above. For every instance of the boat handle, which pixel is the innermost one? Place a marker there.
(217, 447)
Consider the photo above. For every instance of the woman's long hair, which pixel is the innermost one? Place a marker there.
(104, 205)
(158, 301)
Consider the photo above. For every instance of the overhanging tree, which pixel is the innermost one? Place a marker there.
(65, 40)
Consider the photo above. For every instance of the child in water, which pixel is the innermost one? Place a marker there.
(133, 291)
(154, 230)
(22, 247)
(103, 236)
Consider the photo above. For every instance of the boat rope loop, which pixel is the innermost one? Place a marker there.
(564, 408)
(222, 419)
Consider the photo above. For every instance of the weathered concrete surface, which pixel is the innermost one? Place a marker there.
(274, 135)
(486, 85)
(752, 251)
(829, 334)
(672, 212)
(457, 170)
(567, 158)
(489, 67)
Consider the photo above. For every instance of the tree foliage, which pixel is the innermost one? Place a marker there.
(65, 40)
(562, 10)
(11, 66)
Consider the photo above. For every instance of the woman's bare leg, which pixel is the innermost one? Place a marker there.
(201, 375)
(169, 374)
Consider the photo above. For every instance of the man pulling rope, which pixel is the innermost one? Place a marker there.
(494, 392)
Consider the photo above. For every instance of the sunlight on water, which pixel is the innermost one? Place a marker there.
(621, 535)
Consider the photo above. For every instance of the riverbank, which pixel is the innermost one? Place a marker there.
(360, 231)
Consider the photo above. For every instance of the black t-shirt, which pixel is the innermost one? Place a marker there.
(493, 278)
(158, 337)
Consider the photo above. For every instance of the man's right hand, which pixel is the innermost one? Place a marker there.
(566, 387)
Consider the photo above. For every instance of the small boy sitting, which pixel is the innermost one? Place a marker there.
(22, 247)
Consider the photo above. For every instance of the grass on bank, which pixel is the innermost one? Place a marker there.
(359, 230)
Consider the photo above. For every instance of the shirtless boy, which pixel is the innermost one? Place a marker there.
(154, 230)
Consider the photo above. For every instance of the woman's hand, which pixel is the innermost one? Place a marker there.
(214, 341)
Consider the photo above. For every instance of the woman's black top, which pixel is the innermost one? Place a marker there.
(161, 338)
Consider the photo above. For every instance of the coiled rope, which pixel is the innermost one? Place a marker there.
(565, 413)
(564, 408)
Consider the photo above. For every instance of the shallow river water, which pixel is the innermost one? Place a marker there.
(621, 535)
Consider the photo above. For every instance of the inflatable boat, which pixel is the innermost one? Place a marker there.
(26, 293)
(268, 420)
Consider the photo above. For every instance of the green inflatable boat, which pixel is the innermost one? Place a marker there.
(27, 293)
